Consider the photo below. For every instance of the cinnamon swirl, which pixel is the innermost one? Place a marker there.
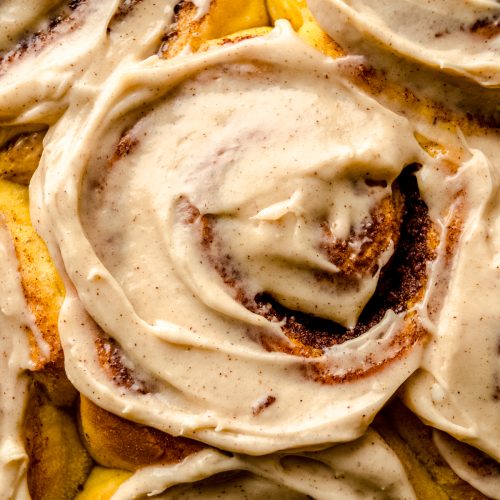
(229, 227)
(263, 234)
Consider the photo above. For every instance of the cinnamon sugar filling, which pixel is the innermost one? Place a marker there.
(404, 220)
(61, 21)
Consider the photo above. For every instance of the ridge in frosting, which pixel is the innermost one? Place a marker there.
(458, 37)
(362, 468)
(169, 230)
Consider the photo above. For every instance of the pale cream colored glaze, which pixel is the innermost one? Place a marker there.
(139, 270)
(15, 320)
(483, 478)
(455, 390)
(33, 88)
(365, 468)
(17, 19)
(34, 84)
(446, 34)
(216, 375)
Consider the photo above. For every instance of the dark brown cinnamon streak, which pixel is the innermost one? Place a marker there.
(61, 20)
(401, 285)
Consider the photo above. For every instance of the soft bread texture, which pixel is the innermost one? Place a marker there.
(428, 482)
(225, 17)
(20, 156)
(430, 475)
(117, 443)
(59, 464)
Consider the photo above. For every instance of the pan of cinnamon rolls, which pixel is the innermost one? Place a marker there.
(250, 249)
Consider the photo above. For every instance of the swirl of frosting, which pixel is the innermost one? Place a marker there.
(363, 468)
(202, 234)
(458, 37)
(15, 319)
(464, 402)
(45, 49)
(41, 50)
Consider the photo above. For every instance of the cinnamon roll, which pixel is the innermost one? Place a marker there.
(446, 55)
(267, 260)
(31, 295)
(460, 38)
(441, 390)
(263, 236)
(46, 50)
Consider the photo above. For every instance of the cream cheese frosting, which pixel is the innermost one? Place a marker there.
(460, 401)
(365, 468)
(461, 37)
(139, 270)
(465, 461)
(15, 320)
(38, 67)
(158, 170)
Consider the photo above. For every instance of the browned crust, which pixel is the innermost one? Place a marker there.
(43, 292)
(118, 443)
(44, 298)
(58, 462)
(114, 441)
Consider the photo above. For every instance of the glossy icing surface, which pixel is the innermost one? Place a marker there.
(458, 37)
(174, 194)
(15, 320)
(131, 224)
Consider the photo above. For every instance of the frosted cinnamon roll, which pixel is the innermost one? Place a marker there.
(40, 450)
(404, 64)
(457, 37)
(42, 49)
(442, 392)
(256, 256)
(363, 468)
(244, 250)
(46, 49)
(464, 402)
